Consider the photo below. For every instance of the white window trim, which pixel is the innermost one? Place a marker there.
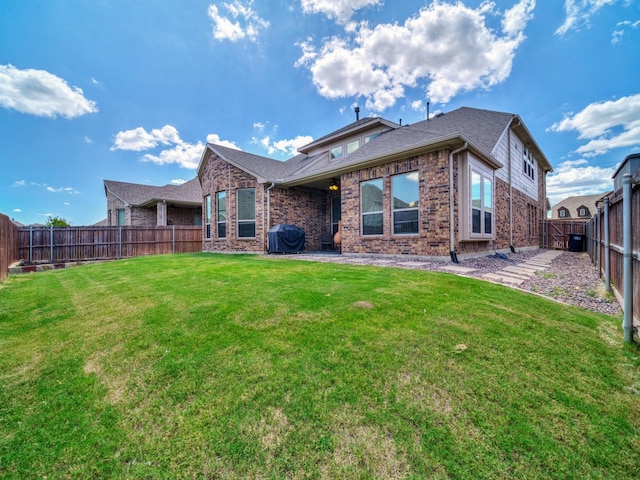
(469, 164)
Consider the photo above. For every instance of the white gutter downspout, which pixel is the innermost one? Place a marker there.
(510, 190)
(454, 257)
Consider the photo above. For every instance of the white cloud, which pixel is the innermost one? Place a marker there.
(215, 138)
(577, 177)
(40, 93)
(578, 13)
(606, 125)
(139, 139)
(185, 154)
(288, 147)
(258, 126)
(379, 63)
(178, 181)
(339, 10)
(88, 140)
(17, 210)
(19, 183)
(617, 34)
(243, 22)
(60, 189)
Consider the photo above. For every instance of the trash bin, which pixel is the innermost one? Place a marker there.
(576, 242)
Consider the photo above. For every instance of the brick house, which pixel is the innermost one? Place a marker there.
(461, 184)
(580, 208)
(132, 204)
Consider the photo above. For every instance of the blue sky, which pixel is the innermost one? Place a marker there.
(131, 91)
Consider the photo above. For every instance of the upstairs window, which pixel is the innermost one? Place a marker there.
(337, 152)
(563, 213)
(371, 206)
(406, 197)
(528, 164)
(221, 214)
(353, 146)
(246, 212)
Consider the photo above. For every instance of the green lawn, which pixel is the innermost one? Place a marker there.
(225, 366)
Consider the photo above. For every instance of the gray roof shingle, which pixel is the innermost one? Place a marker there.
(139, 195)
(483, 129)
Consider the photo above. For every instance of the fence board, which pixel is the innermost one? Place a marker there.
(8, 245)
(64, 244)
(597, 250)
(554, 234)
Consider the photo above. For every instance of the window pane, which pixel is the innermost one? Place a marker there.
(207, 209)
(247, 204)
(336, 152)
(372, 224)
(121, 217)
(207, 231)
(475, 221)
(405, 221)
(222, 206)
(368, 138)
(222, 230)
(488, 194)
(476, 198)
(246, 229)
(336, 210)
(405, 190)
(353, 146)
(371, 196)
(487, 222)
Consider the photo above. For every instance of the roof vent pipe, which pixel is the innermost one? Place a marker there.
(427, 111)
(357, 109)
(400, 122)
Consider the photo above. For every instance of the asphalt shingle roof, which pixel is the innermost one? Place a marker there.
(137, 194)
(482, 128)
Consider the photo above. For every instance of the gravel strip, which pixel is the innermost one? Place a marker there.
(570, 278)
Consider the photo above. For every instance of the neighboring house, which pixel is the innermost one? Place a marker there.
(133, 204)
(463, 183)
(580, 208)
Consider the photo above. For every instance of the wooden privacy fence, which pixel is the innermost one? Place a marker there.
(555, 234)
(8, 245)
(64, 244)
(613, 243)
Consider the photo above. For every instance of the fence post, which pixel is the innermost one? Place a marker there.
(607, 244)
(627, 322)
(173, 239)
(30, 245)
(120, 242)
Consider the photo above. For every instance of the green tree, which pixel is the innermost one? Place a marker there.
(57, 222)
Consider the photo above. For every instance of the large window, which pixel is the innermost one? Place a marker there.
(221, 214)
(371, 204)
(481, 204)
(207, 216)
(246, 212)
(405, 191)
